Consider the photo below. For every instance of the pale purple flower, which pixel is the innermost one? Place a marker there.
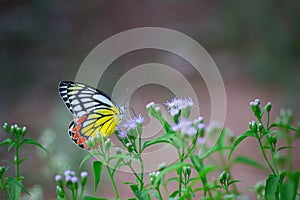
(178, 104)
(256, 102)
(122, 134)
(201, 140)
(128, 144)
(150, 104)
(118, 150)
(58, 177)
(201, 126)
(68, 178)
(69, 173)
(185, 127)
(74, 179)
(157, 108)
(129, 124)
(139, 119)
(83, 174)
(198, 120)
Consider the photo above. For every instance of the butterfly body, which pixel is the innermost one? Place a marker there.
(93, 111)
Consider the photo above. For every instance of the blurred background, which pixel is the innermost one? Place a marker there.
(255, 44)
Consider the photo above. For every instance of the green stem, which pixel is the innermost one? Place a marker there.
(289, 151)
(180, 172)
(73, 194)
(17, 159)
(81, 192)
(142, 173)
(265, 156)
(164, 184)
(133, 171)
(113, 182)
(268, 121)
(159, 194)
(141, 163)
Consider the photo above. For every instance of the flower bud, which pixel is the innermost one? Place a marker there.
(162, 166)
(253, 126)
(5, 127)
(118, 150)
(269, 106)
(60, 192)
(187, 171)
(260, 127)
(224, 178)
(58, 179)
(13, 129)
(2, 170)
(23, 131)
(74, 181)
(83, 176)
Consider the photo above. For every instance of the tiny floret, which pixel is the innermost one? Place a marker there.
(74, 179)
(83, 174)
(201, 126)
(69, 173)
(68, 178)
(150, 104)
(178, 104)
(201, 140)
(185, 127)
(122, 134)
(256, 102)
(139, 119)
(58, 177)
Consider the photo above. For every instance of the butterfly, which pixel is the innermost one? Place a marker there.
(93, 111)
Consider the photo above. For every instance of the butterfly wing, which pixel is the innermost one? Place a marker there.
(93, 111)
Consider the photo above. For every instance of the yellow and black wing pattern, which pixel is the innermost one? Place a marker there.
(93, 111)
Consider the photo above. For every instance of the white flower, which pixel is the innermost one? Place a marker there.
(185, 127)
(178, 104)
(256, 102)
(139, 119)
(201, 140)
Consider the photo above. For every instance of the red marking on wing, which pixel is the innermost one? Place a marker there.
(81, 119)
(77, 128)
(76, 135)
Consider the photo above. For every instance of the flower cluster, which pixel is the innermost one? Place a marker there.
(71, 182)
(178, 104)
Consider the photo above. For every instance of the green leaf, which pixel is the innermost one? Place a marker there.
(143, 195)
(14, 188)
(163, 139)
(279, 125)
(197, 162)
(11, 145)
(249, 161)
(97, 167)
(174, 194)
(239, 140)
(33, 142)
(265, 133)
(134, 187)
(88, 156)
(288, 189)
(93, 198)
(285, 147)
(234, 181)
(6, 141)
(271, 187)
